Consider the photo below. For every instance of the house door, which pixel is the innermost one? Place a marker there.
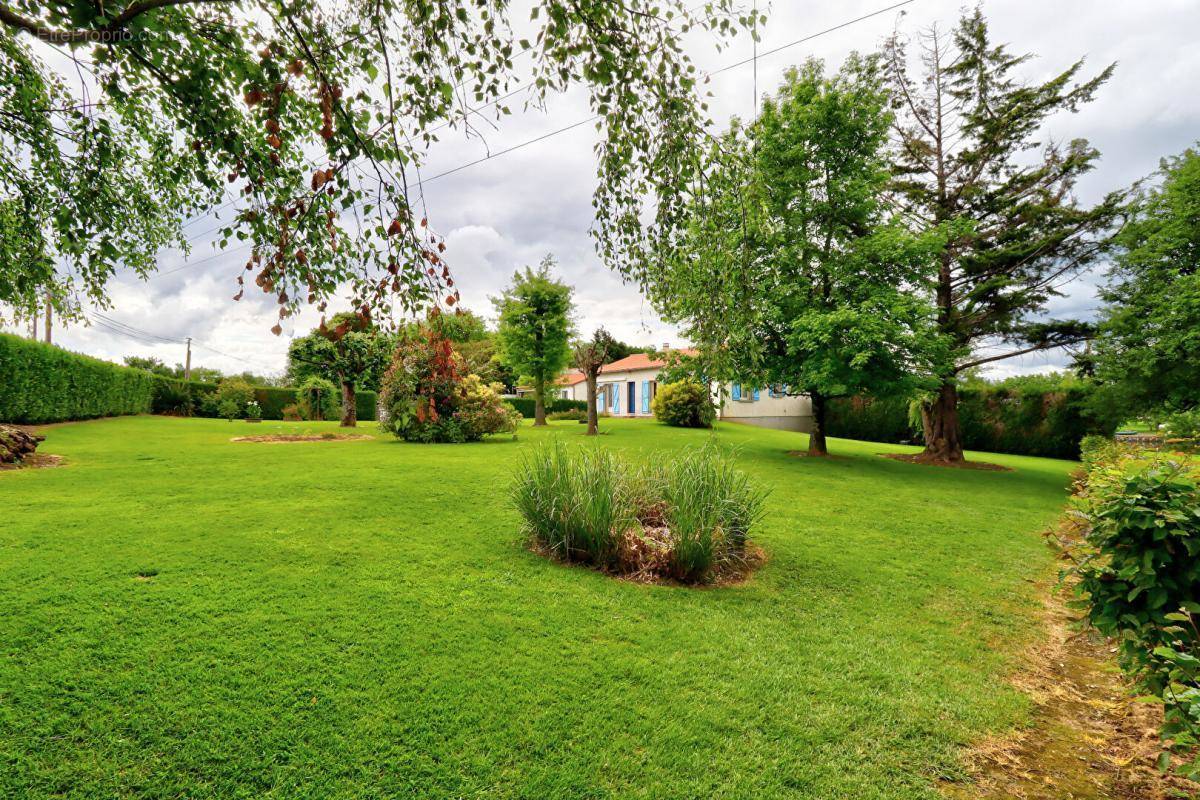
(631, 390)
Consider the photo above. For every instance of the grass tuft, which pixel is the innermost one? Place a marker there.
(584, 505)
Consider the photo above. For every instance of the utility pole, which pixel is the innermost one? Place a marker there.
(187, 364)
(49, 317)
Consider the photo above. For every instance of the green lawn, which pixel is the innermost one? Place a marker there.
(360, 619)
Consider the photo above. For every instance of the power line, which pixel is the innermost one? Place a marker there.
(149, 338)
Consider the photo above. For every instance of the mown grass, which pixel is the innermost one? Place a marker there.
(185, 617)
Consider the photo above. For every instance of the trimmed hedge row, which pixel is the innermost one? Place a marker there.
(1000, 420)
(171, 396)
(525, 405)
(41, 383)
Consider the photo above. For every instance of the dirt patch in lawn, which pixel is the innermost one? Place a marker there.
(921, 458)
(1088, 739)
(644, 557)
(35, 461)
(287, 438)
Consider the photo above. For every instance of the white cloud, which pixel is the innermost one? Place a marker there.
(510, 211)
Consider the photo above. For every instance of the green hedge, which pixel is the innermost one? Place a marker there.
(40, 383)
(1000, 420)
(171, 396)
(872, 419)
(525, 405)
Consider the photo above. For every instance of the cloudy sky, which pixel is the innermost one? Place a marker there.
(513, 209)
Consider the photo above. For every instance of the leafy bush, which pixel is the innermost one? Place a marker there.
(685, 518)
(872, 419)
(577, 414)
(254, 410)
(229, 409)
(1182, 429)
(685, 404)
(1139, 576)
(525, 405)
(40, 383)
(291, 413)
(232, 397)
(428, 396)
(317, 399)
(480, 411)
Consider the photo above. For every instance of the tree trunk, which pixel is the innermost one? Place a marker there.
(816, 439)
(539, 403)
(593, 421)
(939, 418)
(349, 405)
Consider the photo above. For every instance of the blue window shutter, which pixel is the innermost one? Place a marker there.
(616, 398)
(645, 397)
(754, 395)
(737, 391)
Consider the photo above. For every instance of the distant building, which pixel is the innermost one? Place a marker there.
(571, 385)
(626, 388)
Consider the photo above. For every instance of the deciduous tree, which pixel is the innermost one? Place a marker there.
(790, 274)
(589, 357)
(1149, 343)
(119, 119)
(535, 329)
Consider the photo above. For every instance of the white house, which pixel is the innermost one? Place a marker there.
(769, 407)
(627, 387)
(571, 385)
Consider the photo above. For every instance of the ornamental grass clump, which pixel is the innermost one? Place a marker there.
(574, 504)
(710, 507)
(681, 518)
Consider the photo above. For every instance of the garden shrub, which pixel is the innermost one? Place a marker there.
(228, 408)
(272, 399)
(318, 400)
(1138, 574)
(686, 518)
(254, 410)
(41, 383)
(1181, 430)
(525, 406)
(576, 414)
(291, 413)
(686, 404)
(428, 396)
(180, 397)
(230, 399)
(872, 419)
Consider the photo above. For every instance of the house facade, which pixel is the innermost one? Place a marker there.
(767, 407)
(571, 385)
(626, 388)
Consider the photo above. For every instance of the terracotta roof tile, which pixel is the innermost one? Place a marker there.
(642, 361)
